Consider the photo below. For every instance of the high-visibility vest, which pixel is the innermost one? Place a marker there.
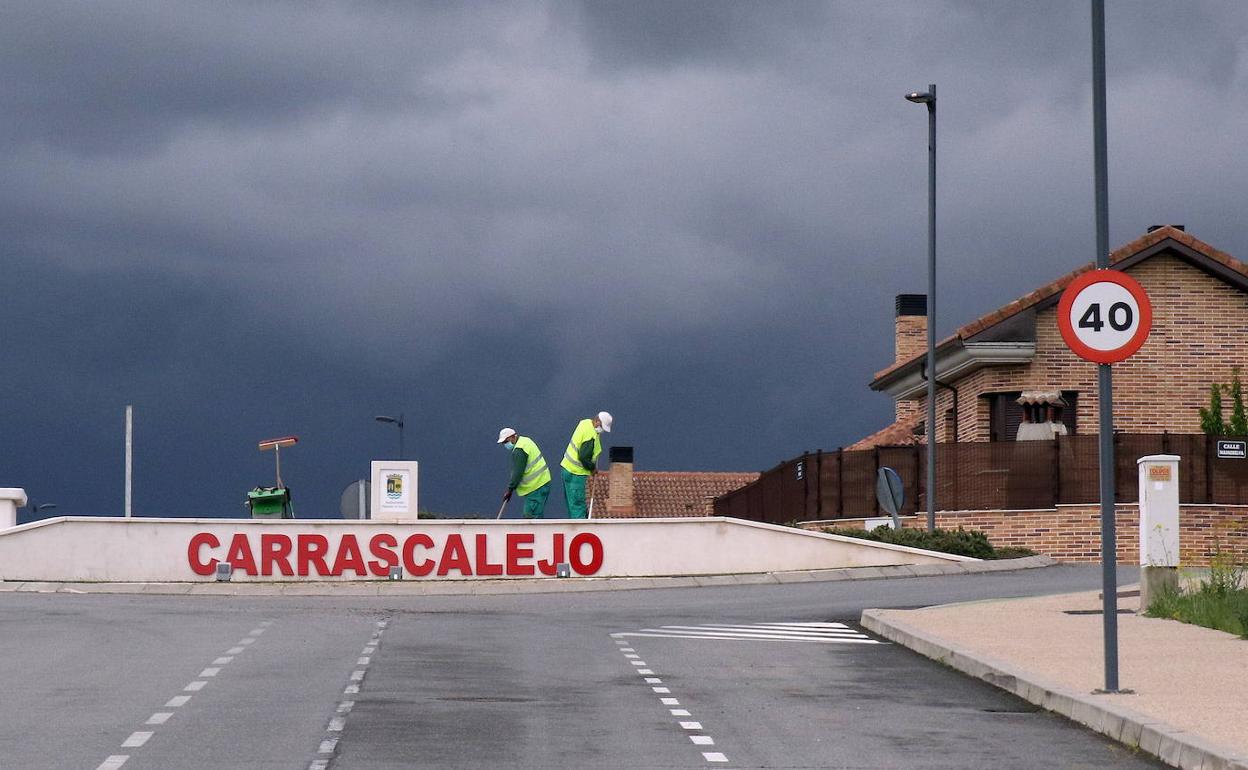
(535, 473)
(571, 458)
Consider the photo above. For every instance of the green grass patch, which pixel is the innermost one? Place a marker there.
(1221, 601)
(962, 542)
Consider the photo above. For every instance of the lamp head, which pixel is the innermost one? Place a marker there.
(921, 97)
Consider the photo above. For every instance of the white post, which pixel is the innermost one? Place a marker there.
(363, 500)
(11, 498)
(1159, 525)
(129, 459)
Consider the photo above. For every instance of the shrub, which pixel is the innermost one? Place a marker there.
(962, 542)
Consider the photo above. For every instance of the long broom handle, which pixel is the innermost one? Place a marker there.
(501, 508)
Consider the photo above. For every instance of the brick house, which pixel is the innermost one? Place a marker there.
(1200, 326)
(623, 492)
(1007, 377)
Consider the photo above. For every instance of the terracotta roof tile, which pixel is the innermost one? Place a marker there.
(900, 433)
(669, 493)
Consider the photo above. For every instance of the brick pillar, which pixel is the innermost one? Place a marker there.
(910, 340)
(620, 495)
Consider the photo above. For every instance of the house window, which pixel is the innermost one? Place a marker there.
(1005, 414)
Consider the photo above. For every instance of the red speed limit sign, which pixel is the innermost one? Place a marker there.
(1105, 316)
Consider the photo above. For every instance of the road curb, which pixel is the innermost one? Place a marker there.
(523, 585)
(1150, 735)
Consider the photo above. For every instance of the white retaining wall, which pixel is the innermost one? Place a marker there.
(161, 550)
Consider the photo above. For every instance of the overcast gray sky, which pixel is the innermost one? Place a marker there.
(260, 218)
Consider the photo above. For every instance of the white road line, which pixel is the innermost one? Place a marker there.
(319, 764)
(653, 680)
(806, 625)
(209, 672)
(771, 631)
(351, 689)
(681, 713)
(621, 641)
(327, 746)
(136, 740)
(159, 718)
(346, 706)
(644, 671)
(638, 662)
(691, 725)
(714, 756)
(247, 641)
(194, 686)
(631, 655)
(336, 724)
(661, 689)
(177, 701)
(113, 762)
(669, 701)
(369, 650)
(221, 661)
(234, 651)
(702, 740)
(743, 638)
(627, 649)
(357, 676)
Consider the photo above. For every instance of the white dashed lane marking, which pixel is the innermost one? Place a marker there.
(139, 738)
(804, 632)
(698, 739)
(338, 722)
(136, 740)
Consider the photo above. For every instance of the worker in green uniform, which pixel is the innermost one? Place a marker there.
(529, 475)
(579, 460)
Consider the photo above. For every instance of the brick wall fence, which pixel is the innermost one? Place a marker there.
(1072, 533)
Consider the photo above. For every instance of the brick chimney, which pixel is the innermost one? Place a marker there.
(620, 478)
(910, 339)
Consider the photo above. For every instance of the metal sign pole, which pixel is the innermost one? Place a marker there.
(129, 459)
(1104, 380)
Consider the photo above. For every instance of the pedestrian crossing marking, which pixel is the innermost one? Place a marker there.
(808, 633)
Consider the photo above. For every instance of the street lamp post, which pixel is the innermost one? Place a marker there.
(929, 98)
(396, 421)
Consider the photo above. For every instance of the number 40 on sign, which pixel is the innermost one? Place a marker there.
(1104, 316)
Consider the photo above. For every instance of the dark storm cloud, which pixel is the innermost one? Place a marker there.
(264, 218)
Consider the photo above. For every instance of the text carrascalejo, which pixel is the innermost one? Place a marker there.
(309, 554)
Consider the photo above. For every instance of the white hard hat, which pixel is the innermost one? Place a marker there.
(505, 434)
(605, 419)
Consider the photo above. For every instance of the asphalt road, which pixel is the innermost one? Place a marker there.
(750, 676)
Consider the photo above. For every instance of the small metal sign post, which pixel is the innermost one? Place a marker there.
(1105, 317)
(890, 493)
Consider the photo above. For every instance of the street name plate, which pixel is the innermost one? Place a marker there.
(1232, 450)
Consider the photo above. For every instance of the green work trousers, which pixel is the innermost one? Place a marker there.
(574, 493)
(535, 502)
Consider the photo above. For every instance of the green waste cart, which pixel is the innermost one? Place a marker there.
(270, 503)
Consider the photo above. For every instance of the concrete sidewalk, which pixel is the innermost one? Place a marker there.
(1190, 705)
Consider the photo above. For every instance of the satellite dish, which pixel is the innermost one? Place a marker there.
(355, 500)
(891, 493)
